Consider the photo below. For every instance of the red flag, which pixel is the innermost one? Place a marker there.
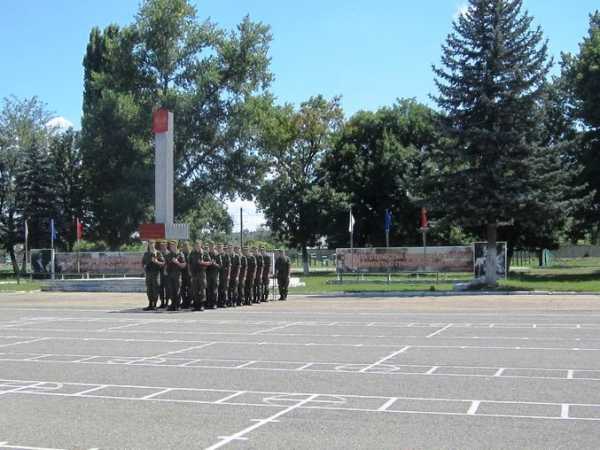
(424, 220)
(79, 227)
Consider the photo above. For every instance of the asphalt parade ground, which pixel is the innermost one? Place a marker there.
(92, 371)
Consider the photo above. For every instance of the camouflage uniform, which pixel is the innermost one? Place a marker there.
(250, 273)
(212, 278)
(151, 261)
(174, 277)
(224, 279)
(234, 274)
(266, 273)
(282, 271)
(241, 296)
(198, 263)
(257, 288)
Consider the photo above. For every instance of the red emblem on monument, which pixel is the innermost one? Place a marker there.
(160, 121)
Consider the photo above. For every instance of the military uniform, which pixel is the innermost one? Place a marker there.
(266, 273)
(257, 289)
(197, 263)
(186, 288)
(282, 271)
(174, 278)
(162, 280)
(152, 268)
(234, 274)
(241, 296)
(212, 279)
(224, 279)
(250, 273)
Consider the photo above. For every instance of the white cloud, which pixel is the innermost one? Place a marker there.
(252, 218)
(59, 123)
(461, 10)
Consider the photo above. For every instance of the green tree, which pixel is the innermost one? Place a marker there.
(68, 184)
(36, 197)
(293, 199)
(22, 125)
(581, 83)
(207, 219)
(116, 141)
(491, 85)
(378, 162)
(215, 83)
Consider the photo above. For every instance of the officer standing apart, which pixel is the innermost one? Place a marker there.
(283, 269)
(175, 264)
(258, 277)
(266, 273)
(153, 263)
(162, 279)
(212, 277)
(242, 277)
(250, 274)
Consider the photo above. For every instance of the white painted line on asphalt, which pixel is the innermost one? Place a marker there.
(176, 352)
(31, 341)
(260, 423)
(387, 404)
(120, 327)
(229, 397)
(382, 360)
(88, 391)
(499, 372)
(564, 411)
(305, 366)
(281, 327)
(21, 388)
(474, 407)
(4, 445)
(570, 374)
(435, 333)
(432, 370)
(246, 364)
(157, 393)
(85, 359)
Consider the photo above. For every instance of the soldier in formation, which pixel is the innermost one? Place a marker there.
(210, 276)
(153, 262)
(283, 269)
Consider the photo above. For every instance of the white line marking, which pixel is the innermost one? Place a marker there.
(430, 371)
(570, 374)
(85, 359)
(22, 447)
(473, 408)
(305, 366)
(260, 423)
(564, 411)
(120, 327)
(157, 393)
(21, 388)
(382, 360)
(229, 397)
(88, 391)
(25, 342)
(435, 333)
(176, 352)
(387, 404)
(499, 372)
(275, 328)
(246, 364)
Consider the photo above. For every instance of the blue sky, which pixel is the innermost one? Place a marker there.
(369, 52)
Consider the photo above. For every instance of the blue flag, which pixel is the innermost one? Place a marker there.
(388, 220)
(52, 230)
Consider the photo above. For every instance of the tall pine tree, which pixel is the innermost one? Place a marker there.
(36, 198)
(491, 88)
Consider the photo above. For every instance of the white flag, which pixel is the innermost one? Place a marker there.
(351, 226)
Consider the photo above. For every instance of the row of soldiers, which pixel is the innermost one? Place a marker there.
(210, 276)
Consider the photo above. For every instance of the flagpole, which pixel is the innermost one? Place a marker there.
(351, 230)
(52, 248)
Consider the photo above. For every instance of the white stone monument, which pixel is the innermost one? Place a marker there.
(163, 228)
